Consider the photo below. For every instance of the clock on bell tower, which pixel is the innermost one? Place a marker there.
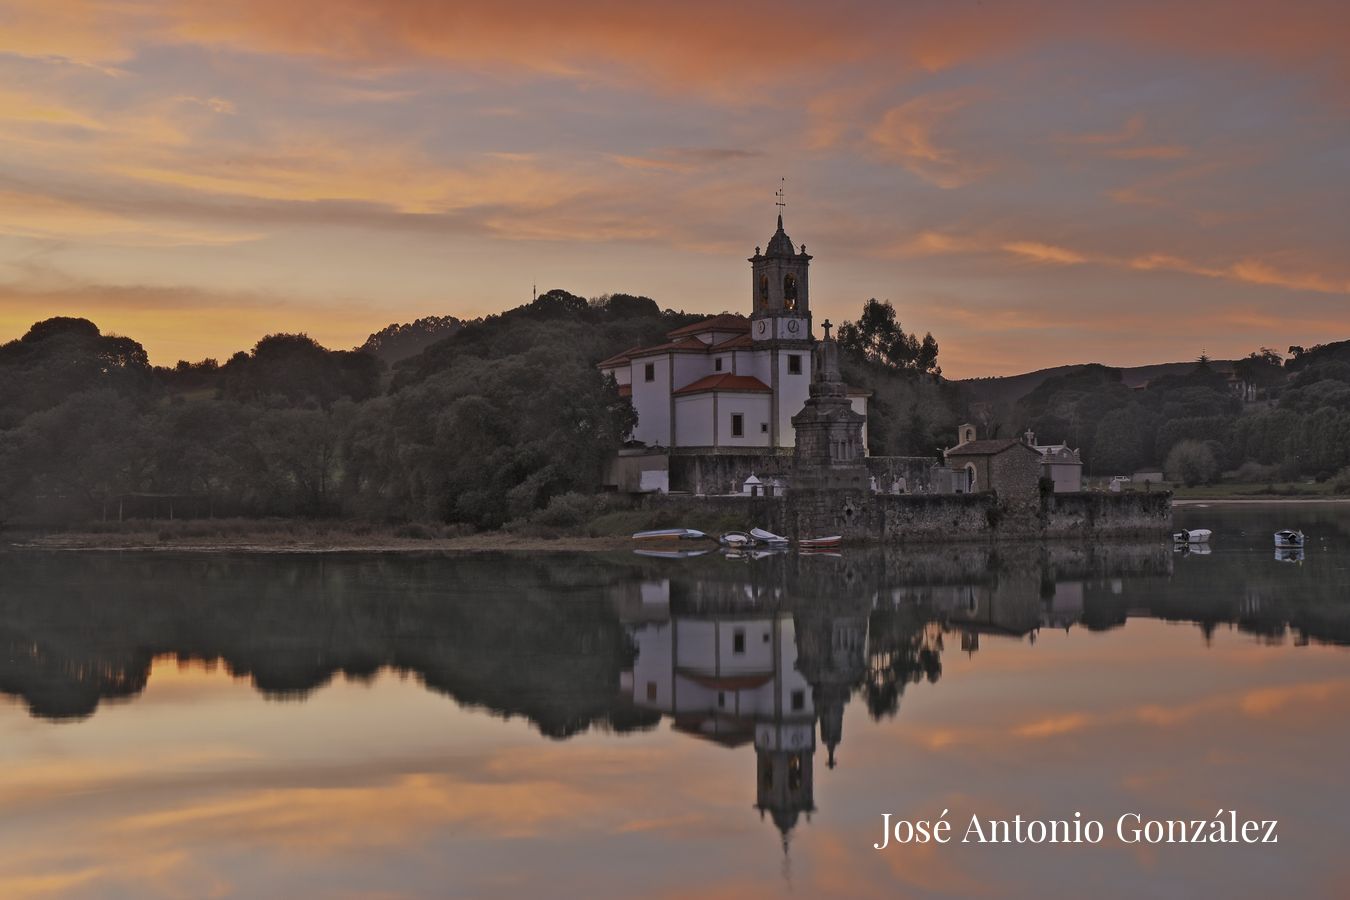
(782, 299)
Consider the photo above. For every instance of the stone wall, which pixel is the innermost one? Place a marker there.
(863, 517)
(722, 472)
(1093, 512)
(917, 472)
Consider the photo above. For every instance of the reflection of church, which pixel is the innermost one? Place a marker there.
(740, 672)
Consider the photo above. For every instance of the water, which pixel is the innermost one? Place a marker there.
(386, 725)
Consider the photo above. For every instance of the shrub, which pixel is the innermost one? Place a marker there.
(1191, 463)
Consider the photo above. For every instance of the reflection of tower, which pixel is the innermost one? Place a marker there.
(832, 656)
(785, 783)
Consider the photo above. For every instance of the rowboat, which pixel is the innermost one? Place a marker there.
(1288, 540)
(820, 543)
(671, 554)
(1194, 536)
(735, 539)
(670, 534)
(767, 537)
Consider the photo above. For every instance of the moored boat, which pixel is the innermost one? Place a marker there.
(669, 534)
(767, 537)
(735, 539)
(1289, 539)
(821, 543)
(1193, 536)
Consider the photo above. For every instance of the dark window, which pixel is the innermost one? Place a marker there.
(738, 641)
(766, 637)
(721, 698)
(798, 700)
(649, 373)
(763, 427)
(651, 690)
(737, 425)
(794, 364)
(717, 364)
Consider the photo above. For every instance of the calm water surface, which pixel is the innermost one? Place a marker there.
(612, 725)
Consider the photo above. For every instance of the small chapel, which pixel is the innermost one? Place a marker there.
(732, 382)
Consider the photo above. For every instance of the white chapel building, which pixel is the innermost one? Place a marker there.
(729, 381)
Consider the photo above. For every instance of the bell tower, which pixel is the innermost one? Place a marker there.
(781, 295)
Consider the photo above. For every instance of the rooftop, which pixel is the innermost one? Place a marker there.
(744, 384)
(991, 447)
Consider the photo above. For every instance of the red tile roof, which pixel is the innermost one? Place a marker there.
(740, 340)
(683, 345)
(724, 322)
(744, 384)
(987, 448)
(617, 359)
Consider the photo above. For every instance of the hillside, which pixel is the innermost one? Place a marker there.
(1002, 393)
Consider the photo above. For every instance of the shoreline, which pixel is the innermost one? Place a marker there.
(1249, 501)
(474, 543)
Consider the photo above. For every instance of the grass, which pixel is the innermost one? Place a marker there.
(1229, 491)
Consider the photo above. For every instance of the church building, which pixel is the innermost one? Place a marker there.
(731, 381)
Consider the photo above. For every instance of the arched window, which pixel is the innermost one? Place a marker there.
(790, 291)
(970, 478)
(763, 291)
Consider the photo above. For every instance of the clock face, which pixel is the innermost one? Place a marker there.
(793, 325)
(762, 326)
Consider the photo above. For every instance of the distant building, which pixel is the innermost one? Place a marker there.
(1007, 466)
(1059, 463)
(730, 382)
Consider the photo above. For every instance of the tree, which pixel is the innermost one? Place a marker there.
(878, 338)
(1191, 462)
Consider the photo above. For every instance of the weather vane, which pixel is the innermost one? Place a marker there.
(780, 202)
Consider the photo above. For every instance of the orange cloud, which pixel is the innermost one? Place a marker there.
(906, 135)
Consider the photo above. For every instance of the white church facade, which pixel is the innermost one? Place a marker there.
(731, 382)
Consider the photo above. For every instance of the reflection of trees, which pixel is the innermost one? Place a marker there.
(903, 652)
(543, 637)
(534, 638)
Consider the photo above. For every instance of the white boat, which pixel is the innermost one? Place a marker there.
(670, 534)
(1288, 540)
(1194, 536)
(767, 537)
(735, 539)
(820, 543)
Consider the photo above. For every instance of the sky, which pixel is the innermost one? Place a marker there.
(1036, 183)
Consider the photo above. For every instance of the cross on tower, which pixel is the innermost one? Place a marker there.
(827, 326)
(780, 202)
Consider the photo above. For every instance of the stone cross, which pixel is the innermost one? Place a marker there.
(827, 326)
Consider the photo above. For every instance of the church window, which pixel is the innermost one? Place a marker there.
(798, 701)
(721, 699)
(790, 291)
(649, 373)
(738, 641)
(717, 364)
(763, 291)
(794, 364)
(651, 690)
(737, 425)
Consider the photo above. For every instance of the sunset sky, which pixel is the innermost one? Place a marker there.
(1035, 183)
